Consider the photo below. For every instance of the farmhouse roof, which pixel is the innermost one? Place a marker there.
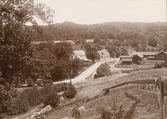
(151, 53)
(161, 52)
(126, 60)
(103, 52)
(138, 54)
(125, 57)
(79, 52)
(89, 40)
(148, 53)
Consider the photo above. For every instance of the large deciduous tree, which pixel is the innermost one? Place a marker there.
(91, 52)
(63, 66)
(15, 36)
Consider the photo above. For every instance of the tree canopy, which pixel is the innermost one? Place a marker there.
(139, 36)
(15, 36)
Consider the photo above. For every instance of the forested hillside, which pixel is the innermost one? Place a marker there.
(140, 36)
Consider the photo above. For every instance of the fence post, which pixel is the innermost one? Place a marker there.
(161, 97)
(164, 93)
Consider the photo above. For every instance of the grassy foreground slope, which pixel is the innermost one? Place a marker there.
(146, 109)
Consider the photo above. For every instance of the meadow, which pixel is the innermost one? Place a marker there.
(146, 109)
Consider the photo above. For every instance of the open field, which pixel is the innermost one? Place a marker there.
(146, 109)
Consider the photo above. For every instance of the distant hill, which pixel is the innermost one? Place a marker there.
(135, 34)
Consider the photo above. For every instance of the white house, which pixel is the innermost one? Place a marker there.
(104, 54)
(80, 54)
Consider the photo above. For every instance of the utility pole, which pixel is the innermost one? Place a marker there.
(71, 57)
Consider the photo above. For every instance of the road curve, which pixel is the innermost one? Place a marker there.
(81, 77)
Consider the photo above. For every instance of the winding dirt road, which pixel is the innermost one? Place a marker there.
(81, 77)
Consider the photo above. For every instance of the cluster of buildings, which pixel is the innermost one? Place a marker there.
(103, 55)
(138, 57)
(135, 57)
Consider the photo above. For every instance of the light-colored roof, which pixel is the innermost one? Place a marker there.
(125, 57)
(79, 52)
(161, 52)
(126, 60)
(137, 53)
(89, 40)
(150, 57)
(148, 53)
(151, 53)
(103, 52)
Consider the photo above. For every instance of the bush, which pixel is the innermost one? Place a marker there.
(161, 65)
(7, 95)
(30, 82)
(103, 70)
(70, 92)
(39, 82)
(110, 112)
(49, 81)
(20, 105)
(60, 87)
(52, 99)
(33, 96)
(46, 90)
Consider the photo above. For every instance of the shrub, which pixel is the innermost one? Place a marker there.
(103, 70)
(60, 87)
(39, 82)
(71, 91)
(30, 82)
(52, 99)
(7, 95)
(33, 96)
(49, 81)
(110, 112)
(20, 105)
(46, 90)
(161, 65)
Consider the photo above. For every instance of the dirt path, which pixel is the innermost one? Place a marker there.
(81, 77)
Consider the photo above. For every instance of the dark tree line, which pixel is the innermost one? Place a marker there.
(140, 36)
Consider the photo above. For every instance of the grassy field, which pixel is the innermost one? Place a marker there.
(146, 109)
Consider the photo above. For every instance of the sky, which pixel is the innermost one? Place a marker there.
(100, 11)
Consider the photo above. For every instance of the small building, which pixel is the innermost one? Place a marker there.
(137, 57)
(80, 54)
(154, 55)
(148, 55)
(89, 40)
(161, 55)
(126, 59)
(104, 54)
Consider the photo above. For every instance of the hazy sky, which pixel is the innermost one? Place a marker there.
(98, 11)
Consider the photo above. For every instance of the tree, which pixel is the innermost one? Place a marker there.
(61, 70)
(113, 50)
(91, 51)
(76, 66)
(15, 37)
(103, 70)
(63, 50)
(45, 60)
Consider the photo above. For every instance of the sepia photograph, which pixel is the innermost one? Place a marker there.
(83, 59)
